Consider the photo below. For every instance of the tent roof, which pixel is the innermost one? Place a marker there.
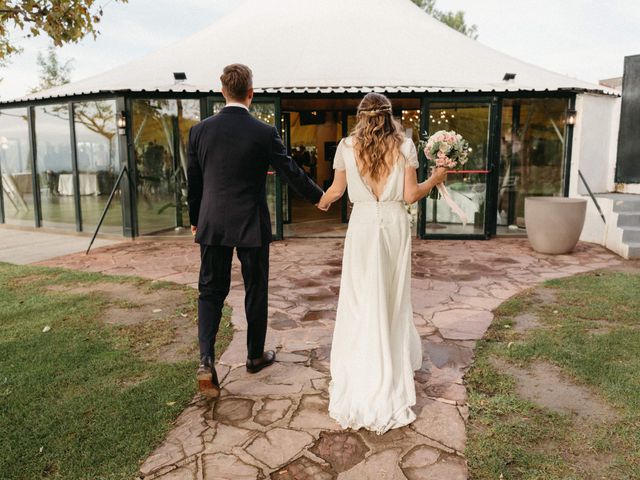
(344, 46)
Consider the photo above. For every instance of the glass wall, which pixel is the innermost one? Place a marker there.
(15, 167)
(54, 166)
(154, 130)
(468, 187)
(531, 156)
(98, 164)
(159, 128)
(188, 116)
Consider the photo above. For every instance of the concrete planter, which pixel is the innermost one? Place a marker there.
(554, 224)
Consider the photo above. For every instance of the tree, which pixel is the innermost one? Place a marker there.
(64, 21)
(453, 19)
(53, 72)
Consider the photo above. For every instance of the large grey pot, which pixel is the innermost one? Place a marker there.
(554, 224)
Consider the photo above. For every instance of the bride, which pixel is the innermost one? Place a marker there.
(375, 346)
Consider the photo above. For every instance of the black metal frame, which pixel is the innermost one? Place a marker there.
(35, 180)
(74, 166)
(128, 190)
(125, 147)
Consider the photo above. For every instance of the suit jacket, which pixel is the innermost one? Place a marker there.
(228, 158)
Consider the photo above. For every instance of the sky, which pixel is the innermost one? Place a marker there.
(585, 39)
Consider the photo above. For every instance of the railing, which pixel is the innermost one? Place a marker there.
(106, 207)
(584, 180)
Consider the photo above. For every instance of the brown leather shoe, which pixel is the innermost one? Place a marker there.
(208, 383)
(257, 364)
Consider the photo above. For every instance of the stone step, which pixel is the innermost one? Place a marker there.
(630, 234)
(632, 205)
(629, 219)
(634, 250)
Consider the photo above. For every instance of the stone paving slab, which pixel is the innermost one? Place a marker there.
(274, 424)
(23, 246)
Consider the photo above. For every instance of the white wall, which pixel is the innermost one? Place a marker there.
(595, 141)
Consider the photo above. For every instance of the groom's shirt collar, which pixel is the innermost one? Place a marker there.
(237, 104)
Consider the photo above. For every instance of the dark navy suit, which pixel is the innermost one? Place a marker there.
(229, 156)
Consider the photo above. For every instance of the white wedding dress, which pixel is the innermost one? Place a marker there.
(375, 347)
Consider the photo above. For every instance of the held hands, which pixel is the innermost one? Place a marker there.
(324, 203)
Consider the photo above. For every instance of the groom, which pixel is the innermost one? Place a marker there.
(229, 156)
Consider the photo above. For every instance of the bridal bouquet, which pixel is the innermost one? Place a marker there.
(451, 151)
(447, 149)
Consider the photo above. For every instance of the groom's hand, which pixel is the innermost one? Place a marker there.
(194, 229)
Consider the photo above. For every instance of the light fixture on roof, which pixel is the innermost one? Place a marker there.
(179, 77)
(509, 76)
(571, 116)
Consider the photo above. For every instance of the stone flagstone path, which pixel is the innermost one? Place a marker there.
(274, 424)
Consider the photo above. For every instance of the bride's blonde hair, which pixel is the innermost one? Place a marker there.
(377, 136)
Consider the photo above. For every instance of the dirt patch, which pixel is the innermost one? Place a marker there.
(545, 296)
(158, 324)
(525, 321)
(29, 279)
(547, 386)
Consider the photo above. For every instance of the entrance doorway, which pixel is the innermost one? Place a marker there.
(312, 129)
(312, 137)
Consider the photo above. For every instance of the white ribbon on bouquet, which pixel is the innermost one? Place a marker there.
(452, 204)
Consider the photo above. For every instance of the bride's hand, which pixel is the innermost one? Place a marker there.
(324, 204)
(439, 175)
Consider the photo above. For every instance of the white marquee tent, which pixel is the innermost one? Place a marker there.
(332, 45)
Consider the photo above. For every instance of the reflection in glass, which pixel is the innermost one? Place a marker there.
(15, 167)
(98, 164)
(188, 116)
(54, 166)
(531, 156)
(154, 131)
(468, 190)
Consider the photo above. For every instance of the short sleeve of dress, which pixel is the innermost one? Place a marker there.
(338, 159)
(410, 154)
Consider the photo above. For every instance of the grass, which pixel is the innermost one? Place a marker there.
(592, 331)
(79, 402)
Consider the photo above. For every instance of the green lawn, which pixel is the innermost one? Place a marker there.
(81, 401)
(590, 328)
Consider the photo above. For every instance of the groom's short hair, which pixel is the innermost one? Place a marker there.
(237, 79)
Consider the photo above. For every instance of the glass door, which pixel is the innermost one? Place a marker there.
(468, 188)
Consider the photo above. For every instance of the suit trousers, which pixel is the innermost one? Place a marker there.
(213, 285)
